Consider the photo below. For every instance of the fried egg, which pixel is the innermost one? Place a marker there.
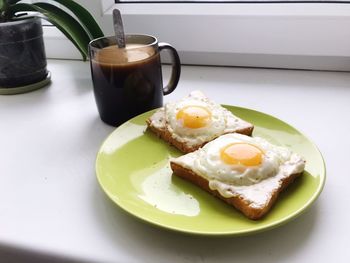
(195, 119)
(240, 160)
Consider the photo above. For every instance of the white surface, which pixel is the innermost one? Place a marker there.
(51, 204)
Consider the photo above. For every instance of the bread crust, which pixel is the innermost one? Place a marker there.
(164, 134)
(238, 202)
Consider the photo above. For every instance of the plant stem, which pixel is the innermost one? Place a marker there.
(4, 11)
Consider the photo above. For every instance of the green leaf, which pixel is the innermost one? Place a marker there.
(69, 26)
(85, 18)
(4, 11)
(12, 2)
(3, 5)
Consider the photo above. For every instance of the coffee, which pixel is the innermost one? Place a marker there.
(131, 53)
(127, 81)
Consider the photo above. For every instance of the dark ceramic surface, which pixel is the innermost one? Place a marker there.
(22, 53)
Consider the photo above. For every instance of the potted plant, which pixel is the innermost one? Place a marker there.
(22, 53)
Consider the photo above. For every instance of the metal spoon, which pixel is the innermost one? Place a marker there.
(118, 28)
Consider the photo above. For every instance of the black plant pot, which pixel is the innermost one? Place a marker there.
(22, 53)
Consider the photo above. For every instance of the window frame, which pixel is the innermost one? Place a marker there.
(252, 35)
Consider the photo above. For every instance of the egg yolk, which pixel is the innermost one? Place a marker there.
(194, 116)
(241, 153)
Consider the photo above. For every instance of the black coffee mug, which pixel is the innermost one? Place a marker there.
(128, 81)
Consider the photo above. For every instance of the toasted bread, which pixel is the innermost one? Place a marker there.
(239, 202)
(158, 124)
(253, 200)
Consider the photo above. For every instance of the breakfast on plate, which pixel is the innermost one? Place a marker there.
(221, 157)
(193, 121)
(246, 172)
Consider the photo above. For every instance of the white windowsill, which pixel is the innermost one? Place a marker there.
(53, 209)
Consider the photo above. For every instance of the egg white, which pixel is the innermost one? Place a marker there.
(208, 163)
(221, 120)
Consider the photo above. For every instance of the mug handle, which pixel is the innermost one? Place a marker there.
(176, 68)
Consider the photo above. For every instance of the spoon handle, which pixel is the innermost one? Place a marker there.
(118, 28)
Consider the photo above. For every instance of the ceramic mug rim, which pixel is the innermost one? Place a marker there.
(153, 40)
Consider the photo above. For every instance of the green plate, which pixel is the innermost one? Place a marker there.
(132, 167)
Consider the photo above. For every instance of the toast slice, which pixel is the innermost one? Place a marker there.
(159, 124)
(254, 200)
